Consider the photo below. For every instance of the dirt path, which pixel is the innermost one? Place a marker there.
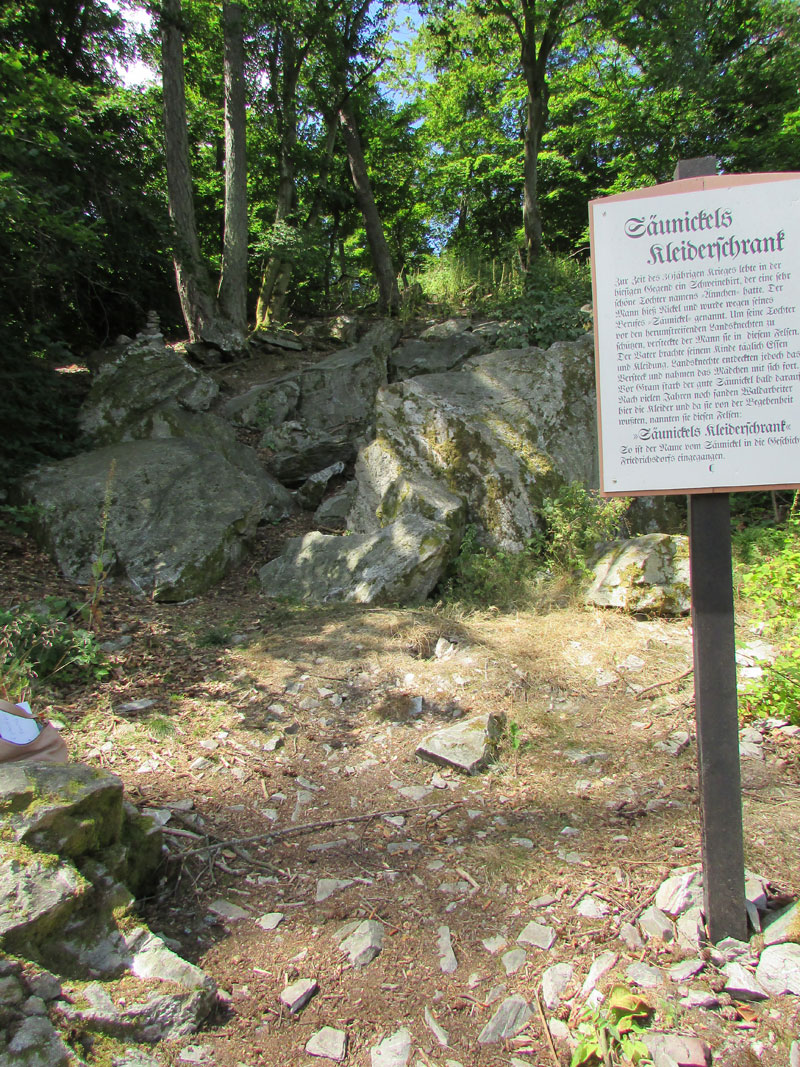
(265, 718)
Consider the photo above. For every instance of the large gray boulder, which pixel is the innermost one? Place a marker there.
(141, 375)
(433, 356)
(317, 415)
(398, 564)
(180, 514)
(494, 438)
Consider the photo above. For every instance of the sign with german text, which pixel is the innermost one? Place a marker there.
(697, 332)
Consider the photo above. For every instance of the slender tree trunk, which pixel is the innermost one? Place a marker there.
(531, 216)
(194, 283)
(233, 278)
(379, 249)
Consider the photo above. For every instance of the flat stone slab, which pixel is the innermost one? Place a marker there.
(554, 982)
(326, 887)
(685, 1051)
(298, 994)
(468, 746)
(393, 1051)
(778, 969)
(600, 966)
(742, 984)
(786, 927)
(538, 935)
(642, 974)
(328, 1042)
(511, 1017)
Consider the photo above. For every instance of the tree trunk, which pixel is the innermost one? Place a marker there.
(531, 216)
(379, 249)
(233, 278)
(194, 283)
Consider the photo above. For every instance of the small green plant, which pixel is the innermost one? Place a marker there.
(18, 520)
(484, 579)
(101, 563)
(41, 644)
(611, 1035)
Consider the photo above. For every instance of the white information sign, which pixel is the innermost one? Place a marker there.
(697, 329)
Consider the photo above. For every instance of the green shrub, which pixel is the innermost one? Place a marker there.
(576, 520)
(771, 559)
(42, 644)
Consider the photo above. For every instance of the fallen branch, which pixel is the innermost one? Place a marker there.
(546, 1029)
(661, 685)
(305, 828)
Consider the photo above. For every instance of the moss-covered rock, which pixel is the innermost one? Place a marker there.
(647, 574)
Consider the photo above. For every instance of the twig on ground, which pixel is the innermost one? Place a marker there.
(305, 828)
(546, 1028)
(668, 681)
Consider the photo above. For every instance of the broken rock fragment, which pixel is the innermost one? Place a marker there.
(468, 746)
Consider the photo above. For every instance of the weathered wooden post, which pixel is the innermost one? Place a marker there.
(716, 705)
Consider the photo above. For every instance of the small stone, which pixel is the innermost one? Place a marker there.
(364, 943)
(514, 960)
(642, 974)
(778, 969)
(631, 937)
(538, 935)
(228, 911)
(592, 908)
(730, 948)
(296, 995)
(271, 920)
(438, 1031)
(328, 1042)
(33, 1006)
(794, 1054)
(699, 998)
(784, 927)
(438, 782)
(676, 1048)
(560, 1032)
(691, 928)
(680, 892)
(199, 764)
(522, 842)
(196, 1054)
(747, 750)
(741, 984)
(11, 992)
(654, 923)
(677, 742)
(326, 887)
(602, 965)
(393, 1051)
(554, 982)
(468, 746)
(511, 1017)
(685, 970)
(44, 985)
(447, 958)
(414, 792)
(133, 706)
(494, 944)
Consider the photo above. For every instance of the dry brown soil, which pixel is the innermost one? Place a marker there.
(476, 854)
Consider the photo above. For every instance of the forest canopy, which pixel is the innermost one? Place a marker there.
(300, 156)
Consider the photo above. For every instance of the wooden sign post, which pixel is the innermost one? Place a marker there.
(697, 331)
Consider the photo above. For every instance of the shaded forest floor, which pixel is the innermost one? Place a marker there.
(581, 803)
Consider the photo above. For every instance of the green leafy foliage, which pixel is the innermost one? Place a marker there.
(576, 521)
(770, 586)
(43, 644)
(611, 1035)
